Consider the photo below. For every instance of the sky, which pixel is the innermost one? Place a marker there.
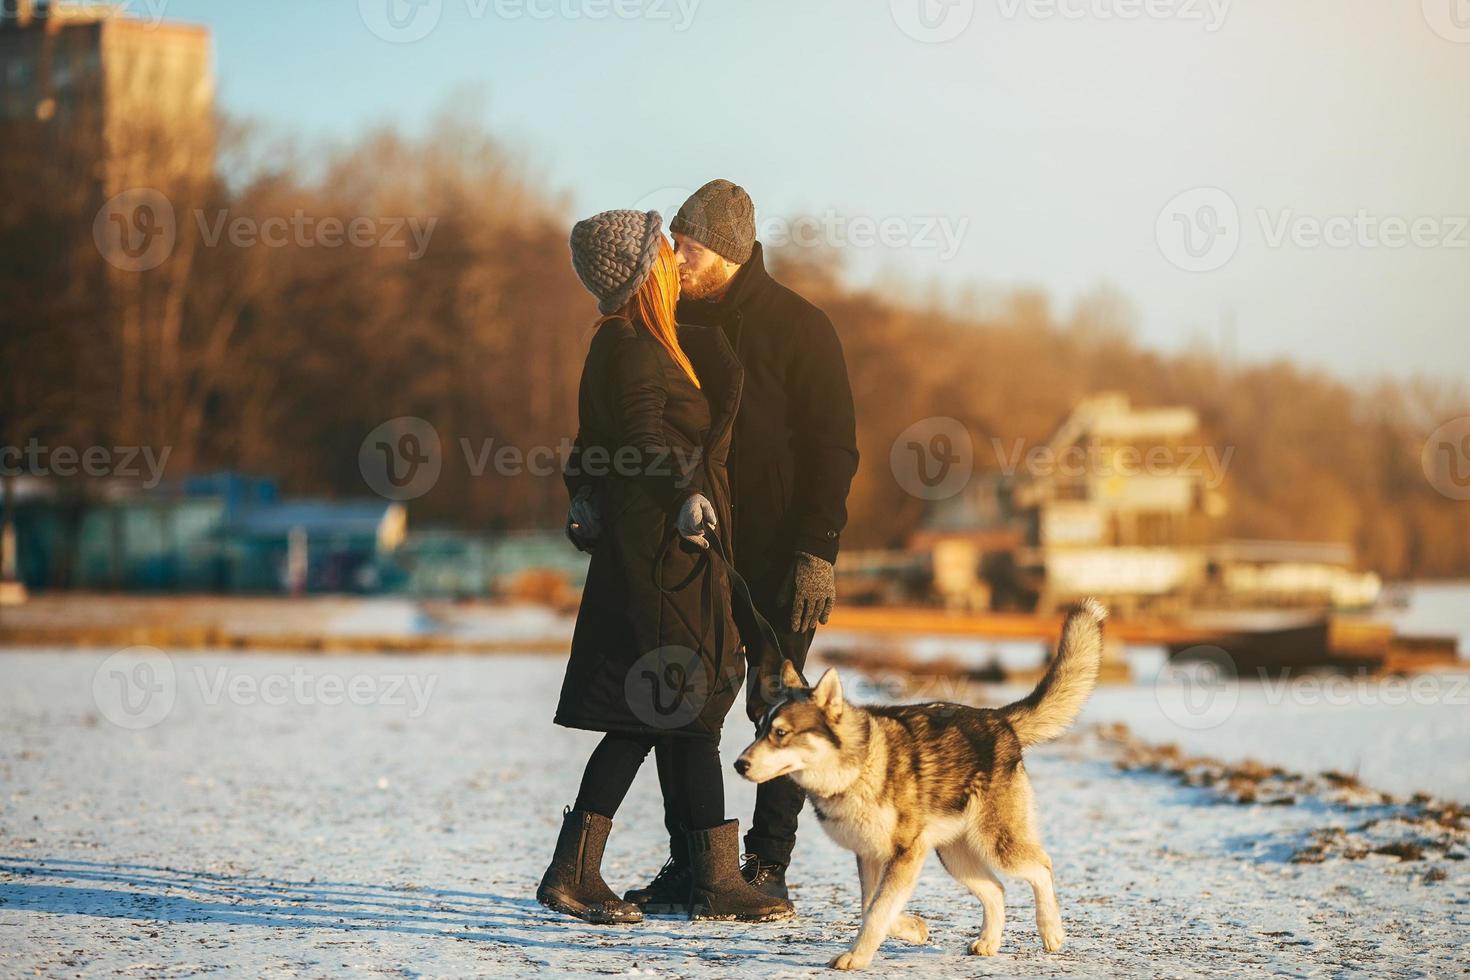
(1298, 169)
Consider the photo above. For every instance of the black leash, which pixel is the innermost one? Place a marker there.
(739, 589)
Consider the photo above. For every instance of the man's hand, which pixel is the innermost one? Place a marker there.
(584, 524)
(813, 590)
(696, 515)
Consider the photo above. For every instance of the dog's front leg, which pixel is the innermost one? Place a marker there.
(870, 870)
(908, 927)
(895, 887)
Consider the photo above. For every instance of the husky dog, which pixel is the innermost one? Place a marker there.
(890, 783)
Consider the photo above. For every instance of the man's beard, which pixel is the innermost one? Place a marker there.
(704, 285)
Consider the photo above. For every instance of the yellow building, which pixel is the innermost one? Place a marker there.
(1123, 502)
(112, 100)
(107, 150)
(1128, 503)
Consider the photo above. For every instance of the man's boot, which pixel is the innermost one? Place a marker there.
(719, 890)
(668, 892)
(573, 884)
(765, 877)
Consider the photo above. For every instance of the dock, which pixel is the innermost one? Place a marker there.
(1267, 642)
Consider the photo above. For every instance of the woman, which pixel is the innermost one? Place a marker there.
(655, 656)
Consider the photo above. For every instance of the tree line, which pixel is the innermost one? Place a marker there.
(278, 357)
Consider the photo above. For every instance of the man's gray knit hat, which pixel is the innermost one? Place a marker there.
(721, 217)
(613, 253)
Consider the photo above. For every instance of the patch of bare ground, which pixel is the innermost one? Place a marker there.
(1414, 828)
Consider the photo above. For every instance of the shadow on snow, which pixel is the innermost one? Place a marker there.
(157, 894)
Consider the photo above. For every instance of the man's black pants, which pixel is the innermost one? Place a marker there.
(772, 834)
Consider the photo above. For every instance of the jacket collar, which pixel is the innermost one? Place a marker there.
(749, 281)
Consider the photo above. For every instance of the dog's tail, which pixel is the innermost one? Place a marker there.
(1048, 711)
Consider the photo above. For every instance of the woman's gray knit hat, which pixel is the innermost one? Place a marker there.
(613, 253)
(721, 217)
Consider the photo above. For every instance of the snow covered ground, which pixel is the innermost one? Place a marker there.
(307, 816)
(1402, 735)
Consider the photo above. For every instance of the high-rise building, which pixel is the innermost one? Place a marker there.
(107, 140)
(127, 101)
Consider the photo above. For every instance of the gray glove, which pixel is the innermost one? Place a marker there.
(584, 524)
(813, 590)
(696, 515)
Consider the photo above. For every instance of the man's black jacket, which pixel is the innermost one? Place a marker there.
(794, 450)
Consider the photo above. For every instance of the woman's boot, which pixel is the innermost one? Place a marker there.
(720, 891)
(573, 884)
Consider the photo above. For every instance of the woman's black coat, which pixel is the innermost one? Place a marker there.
(655, 650)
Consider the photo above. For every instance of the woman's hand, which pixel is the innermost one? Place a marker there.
(696, 515)
(584, 524)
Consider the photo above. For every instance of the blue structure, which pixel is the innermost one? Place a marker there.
(223, 532)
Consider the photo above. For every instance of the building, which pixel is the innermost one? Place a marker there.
(221, 532)
(1120, 502)
(107, 149)
(1127, 504)
(117, 101)
(1290, 574)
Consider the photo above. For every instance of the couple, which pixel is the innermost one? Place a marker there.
(715, 427)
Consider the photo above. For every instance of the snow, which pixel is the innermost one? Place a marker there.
(300, 816)
(379, 617)
(509, 623)
(1432, 609)
(1402, 735)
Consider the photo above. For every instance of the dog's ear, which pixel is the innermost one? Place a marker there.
(791, 677)
(827, 695)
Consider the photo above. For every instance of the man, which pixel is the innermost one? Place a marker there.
(791, 463)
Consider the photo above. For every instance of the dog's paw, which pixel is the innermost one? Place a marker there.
(985, 947)
(1052, 938)
(849, 961)
(911, 929)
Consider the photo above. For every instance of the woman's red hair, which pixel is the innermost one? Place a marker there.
(653, 306)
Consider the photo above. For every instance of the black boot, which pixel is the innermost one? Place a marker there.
(720, 891)
(573, 884)
(668, 892)
(769, 879)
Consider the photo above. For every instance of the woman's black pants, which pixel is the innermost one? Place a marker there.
(694, 788)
